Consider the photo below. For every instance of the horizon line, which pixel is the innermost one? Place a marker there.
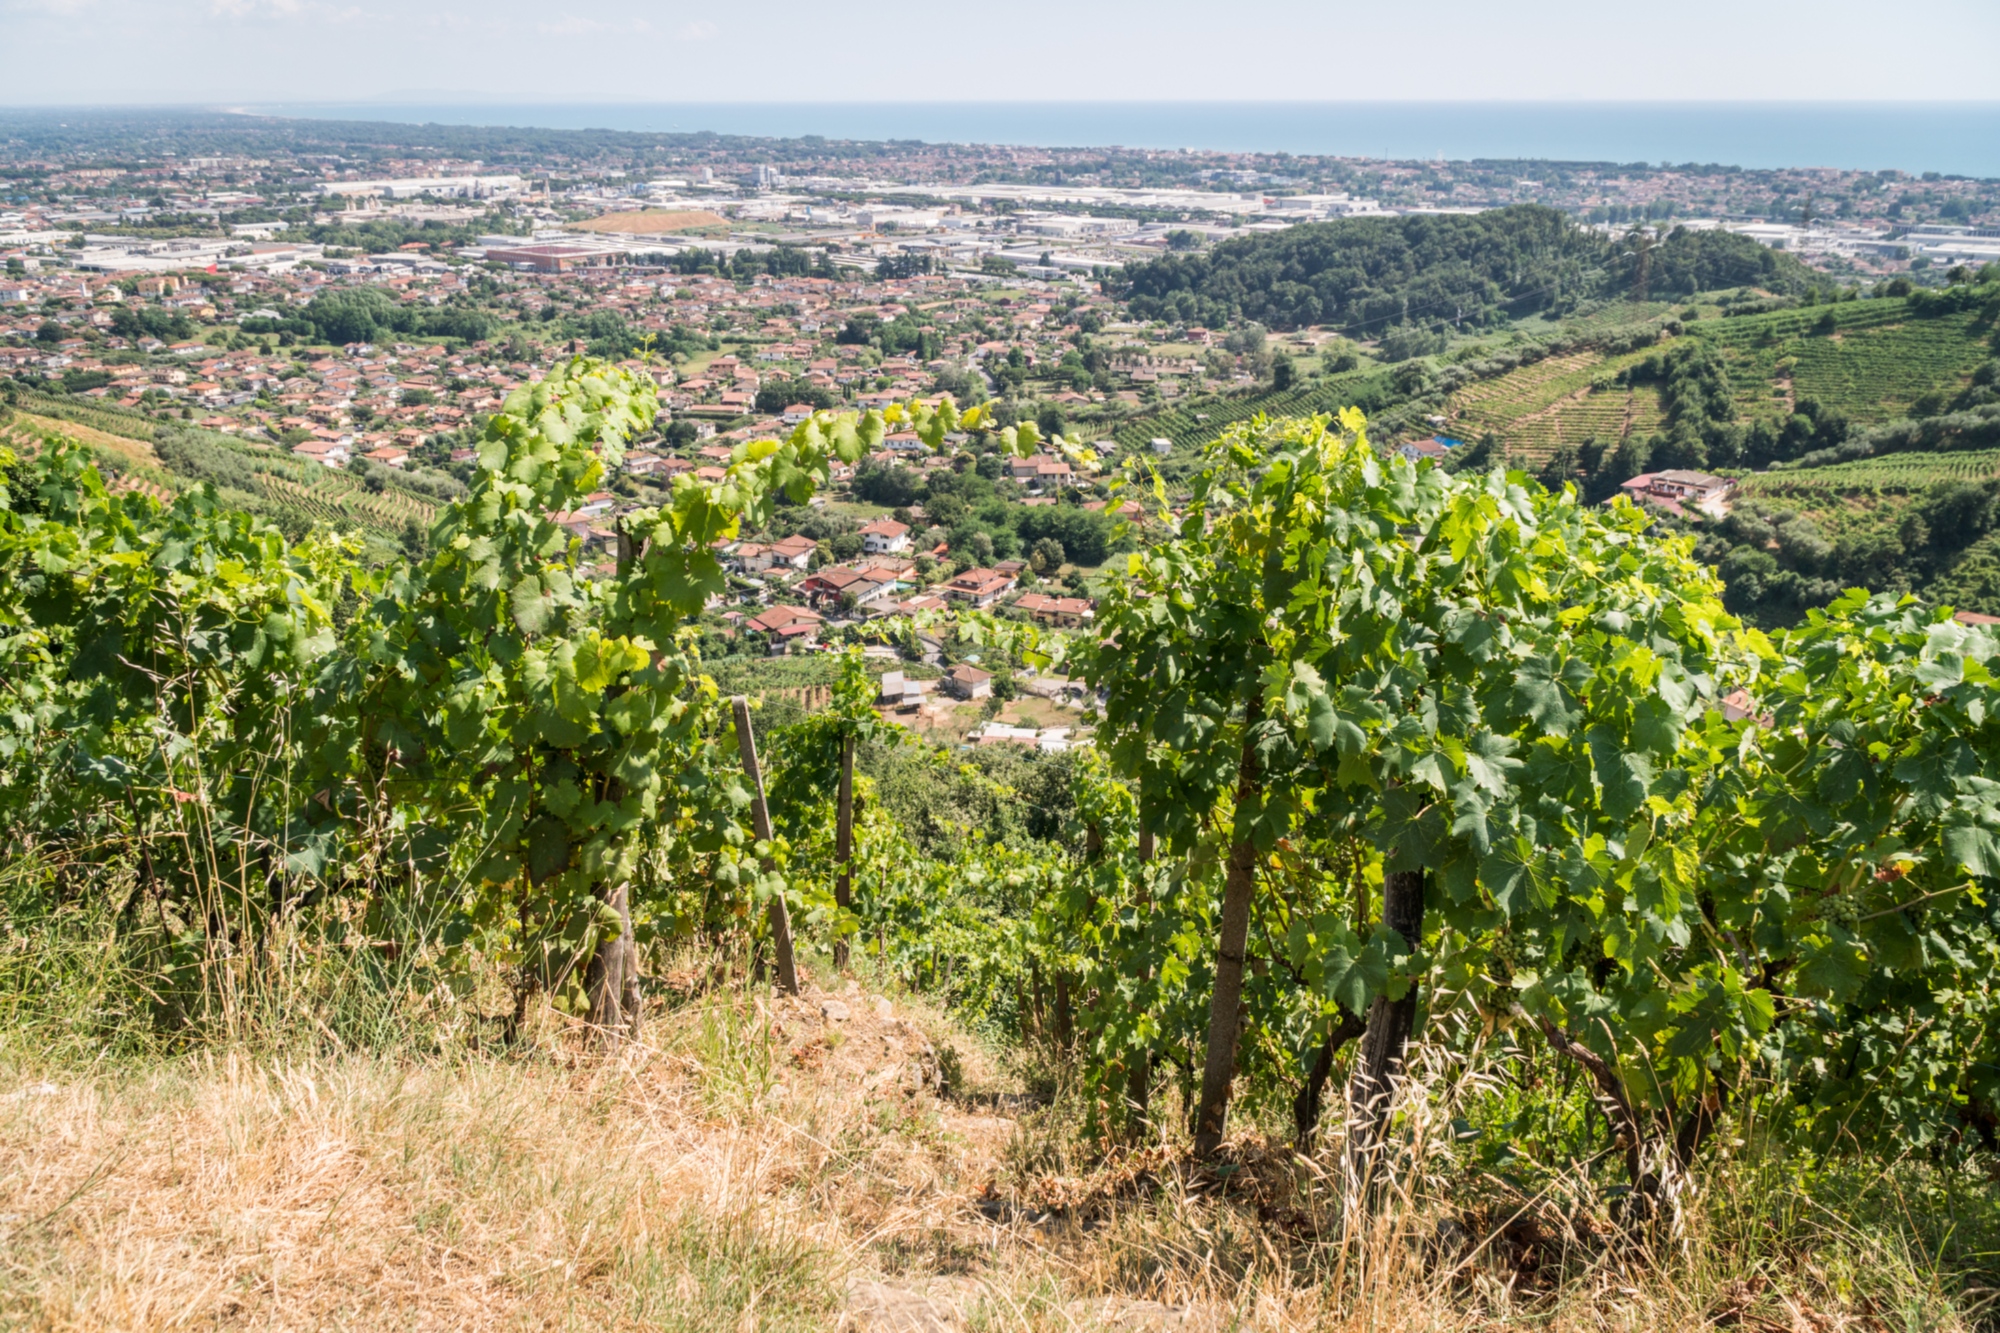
(468, 99)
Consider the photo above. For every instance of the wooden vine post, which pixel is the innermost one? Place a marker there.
(1139, 1079)
(1225, 1010)
(1387, 1035)
(843, 844)
(781, 916)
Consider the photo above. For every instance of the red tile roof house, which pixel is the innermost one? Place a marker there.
(1041, 470)
(1063, 612)
(330, 452)
(837, 581)
(892, 567)
(788, 626)
(1677, 491)
(1127, 509)
(751, 558)
(979, 587)
(968, 682)
(645, 464)
(794, 551)
(885, 536)
(1430, 447)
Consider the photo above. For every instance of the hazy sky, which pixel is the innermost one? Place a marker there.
(222, 51)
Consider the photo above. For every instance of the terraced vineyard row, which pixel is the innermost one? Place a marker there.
(333, 499)
(1878, 361)
(1554, 402)
(1608, 416)
(1612, 319)
(124, 470)
(329, 498)
(1877, 364)
(1877, 373)
(1192, 426)
(1538, 384)
(1895, 474)
(1749, 330)
(129, 482)
(111, 420)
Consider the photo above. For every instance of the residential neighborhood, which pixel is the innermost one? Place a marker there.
(346, 325)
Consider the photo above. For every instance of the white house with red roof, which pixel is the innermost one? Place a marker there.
(885, 536)
(1062, 612)
(794, 551)
(979, 588)
(791, 627)
(1678, 490)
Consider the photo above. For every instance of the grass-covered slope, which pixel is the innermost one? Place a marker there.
(756, 1162)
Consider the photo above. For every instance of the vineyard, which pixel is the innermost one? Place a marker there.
(1606, 320)
(1893, 475)
(1866, 361)
(1194, 424)
(336, 499)
(1458, 919)
(1877, 374)
(325, 497)
(131, 461)
(1558, 400)
(99, 416)
(1847, 316)
(1876, 364)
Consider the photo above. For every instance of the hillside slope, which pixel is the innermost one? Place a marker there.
(389, 509)
(1365, 275)
(1865, 433)
(787, 1165)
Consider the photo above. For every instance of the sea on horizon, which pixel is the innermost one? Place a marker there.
(1949, 138)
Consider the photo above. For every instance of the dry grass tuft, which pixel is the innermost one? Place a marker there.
(771, 1164)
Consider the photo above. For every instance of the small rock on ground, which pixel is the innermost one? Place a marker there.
(876, 1307)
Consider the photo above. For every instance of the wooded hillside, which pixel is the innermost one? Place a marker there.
(1366, 275)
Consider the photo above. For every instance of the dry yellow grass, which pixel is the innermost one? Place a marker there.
(730, 1172)
(753, 1164)
(137, 450)
(653, 222)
